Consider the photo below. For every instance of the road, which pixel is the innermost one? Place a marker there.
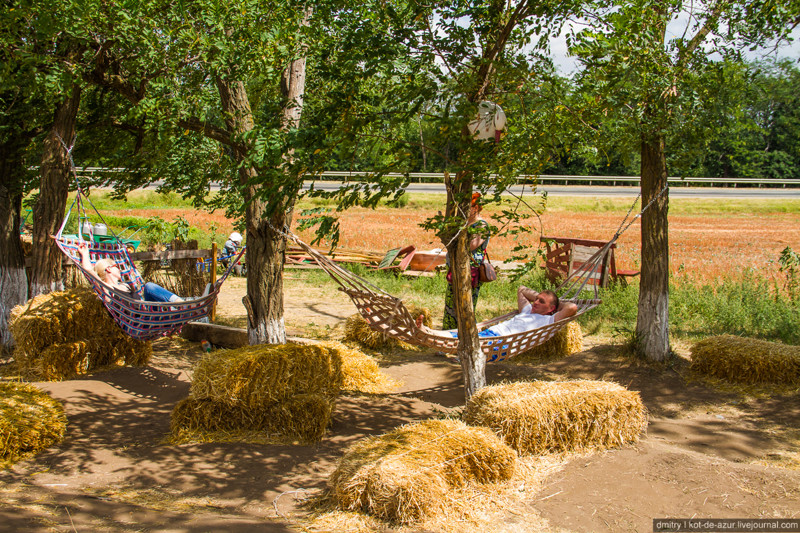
(597, 191)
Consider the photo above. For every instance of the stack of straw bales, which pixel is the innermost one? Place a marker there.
(408, 474)
(742, 360)
(61, 335)
(540, 416)
(287, 390)
(30, 421)
(356, 329)
(567, 341)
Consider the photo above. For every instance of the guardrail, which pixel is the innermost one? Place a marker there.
(544, 179)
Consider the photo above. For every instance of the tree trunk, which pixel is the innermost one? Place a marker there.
(473, 361)
(652, 321)
(48, 213)
(13, 281)
(264, 258)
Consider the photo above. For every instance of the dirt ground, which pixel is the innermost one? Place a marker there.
(706, 453)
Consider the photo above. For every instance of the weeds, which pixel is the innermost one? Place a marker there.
(789, 262)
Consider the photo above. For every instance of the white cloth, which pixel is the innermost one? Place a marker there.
(524, 321)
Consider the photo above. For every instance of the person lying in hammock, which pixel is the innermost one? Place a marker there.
(536, 310)
(108, 272)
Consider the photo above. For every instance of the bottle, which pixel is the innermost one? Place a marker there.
(205, 345)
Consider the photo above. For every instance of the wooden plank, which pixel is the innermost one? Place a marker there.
(171, 254)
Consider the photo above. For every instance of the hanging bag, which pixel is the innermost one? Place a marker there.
(486, 271)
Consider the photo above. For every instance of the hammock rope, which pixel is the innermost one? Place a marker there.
(140, 319)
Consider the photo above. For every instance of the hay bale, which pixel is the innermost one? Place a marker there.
(356, 329)
(302, 416)
(406, 474)
(743, 360)
(287, 390)
(258, 376)
(360, 372)
(30, 421)
(567, 341)
(557, 416)
(61, 335)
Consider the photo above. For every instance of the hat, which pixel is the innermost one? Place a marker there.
(236, 236)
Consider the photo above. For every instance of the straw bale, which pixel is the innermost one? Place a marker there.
(356, 329)
(407, 474)
(302, 416)
(258, 376)
(743, 360)
(557, 416)
(567, 341)
(63, 334)
(30, 421)
(360, 372)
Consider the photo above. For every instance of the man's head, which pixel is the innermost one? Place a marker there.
(104, 268)
(546, 303)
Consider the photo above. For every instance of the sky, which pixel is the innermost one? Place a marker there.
(567, 65)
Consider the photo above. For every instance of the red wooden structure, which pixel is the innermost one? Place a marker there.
(565, 255)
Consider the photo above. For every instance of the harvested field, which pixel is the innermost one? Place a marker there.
(703, 246)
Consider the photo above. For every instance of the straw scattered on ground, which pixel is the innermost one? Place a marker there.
(559, 416)
(30, 421)
(743, 360)
(62, 335)
(411, 472)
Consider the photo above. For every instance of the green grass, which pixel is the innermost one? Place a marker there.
(140, 199)
(747, 306)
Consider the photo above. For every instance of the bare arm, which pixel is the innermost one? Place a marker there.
(565, 309)
(525, 296)
(86, 261)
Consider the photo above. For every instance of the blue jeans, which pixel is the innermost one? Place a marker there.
(156, 293)
(484, 333)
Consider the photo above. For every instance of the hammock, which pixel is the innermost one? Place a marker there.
(387, 314)
(142, 320)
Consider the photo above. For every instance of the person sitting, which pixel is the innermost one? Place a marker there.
(108, 272)
(231, 247)
(536, 310)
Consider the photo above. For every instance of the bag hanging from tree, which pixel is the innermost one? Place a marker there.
(486, 272)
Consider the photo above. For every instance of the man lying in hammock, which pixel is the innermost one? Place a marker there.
(108, 272)
(536, 310)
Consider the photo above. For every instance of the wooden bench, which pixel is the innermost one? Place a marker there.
(563, 256)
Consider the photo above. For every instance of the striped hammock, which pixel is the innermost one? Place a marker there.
(142, 320)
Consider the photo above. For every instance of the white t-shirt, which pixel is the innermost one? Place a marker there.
(524, 321)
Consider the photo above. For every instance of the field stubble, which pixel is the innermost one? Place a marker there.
(704, 246)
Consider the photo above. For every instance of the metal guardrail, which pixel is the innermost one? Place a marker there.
(544, 179)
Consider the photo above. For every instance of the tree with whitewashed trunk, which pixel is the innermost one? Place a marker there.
(644, 70)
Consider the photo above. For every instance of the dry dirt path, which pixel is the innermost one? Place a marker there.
(706, 453)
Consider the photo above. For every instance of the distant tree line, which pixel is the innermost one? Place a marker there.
(751, 129)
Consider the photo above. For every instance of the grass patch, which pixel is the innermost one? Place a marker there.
(747, 306)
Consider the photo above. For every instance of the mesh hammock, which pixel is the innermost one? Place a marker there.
(142, 320)
(387, 314)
